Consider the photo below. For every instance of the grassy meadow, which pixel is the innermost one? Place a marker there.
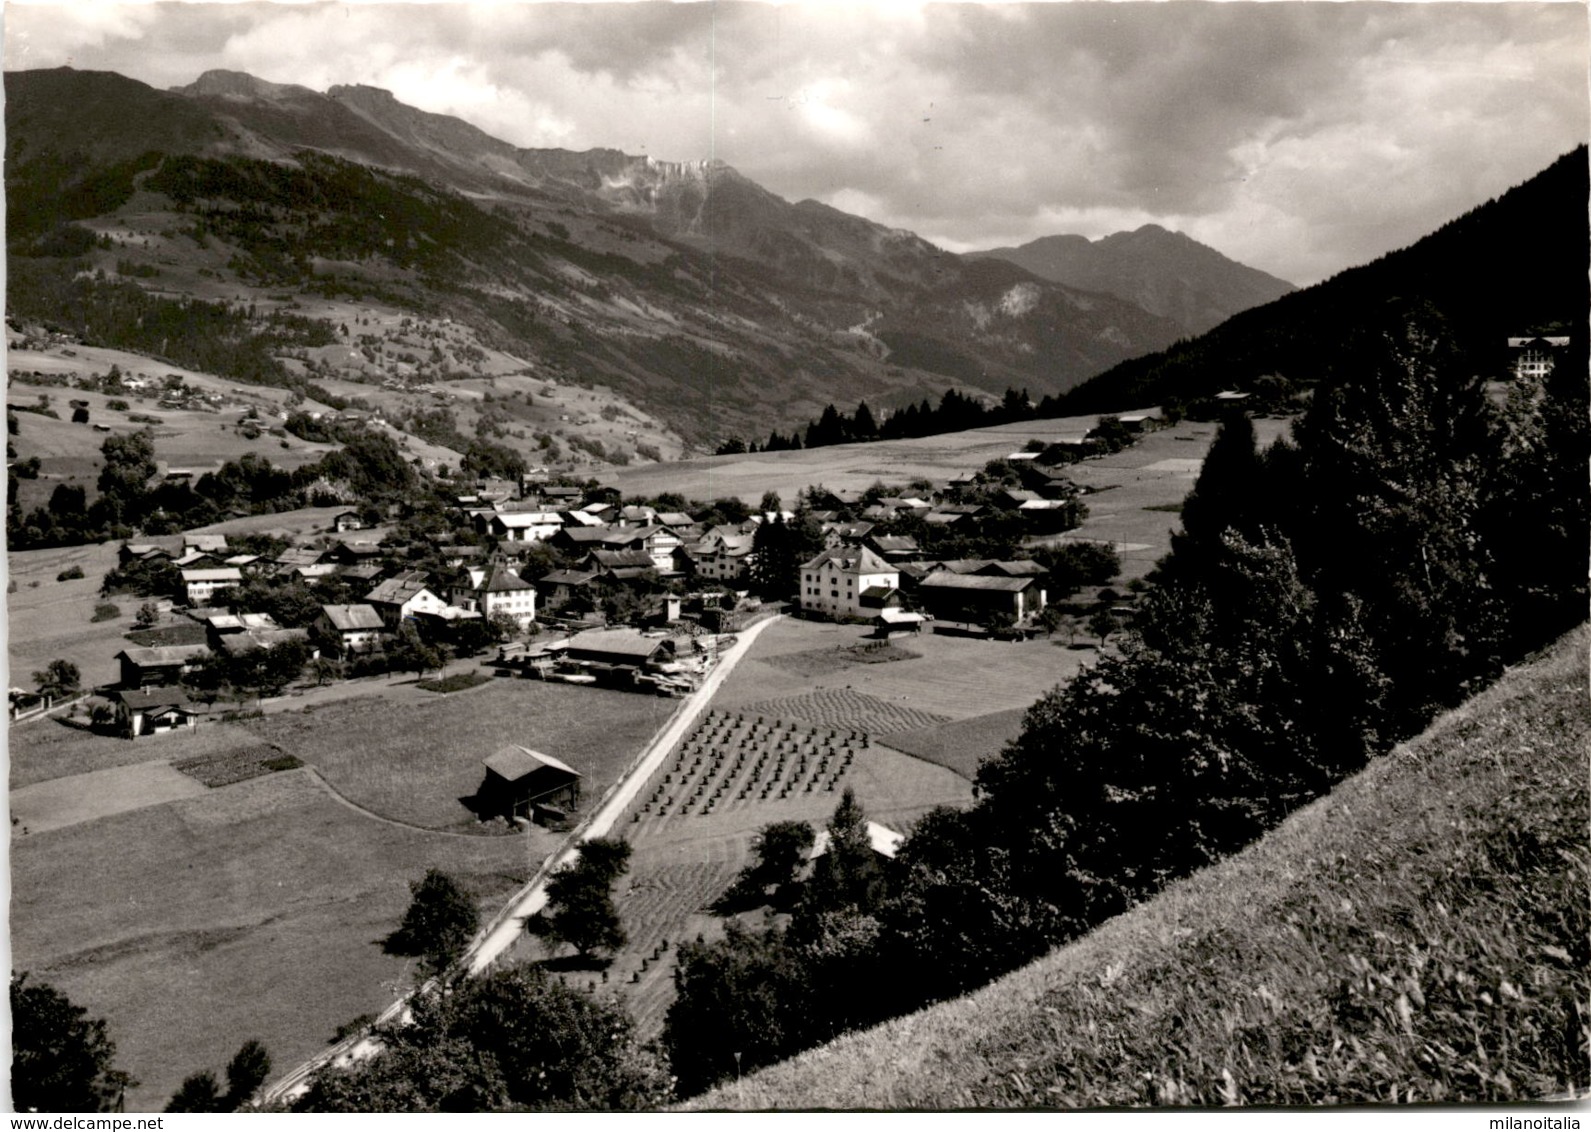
(414, 762)
(1418, 935)
(254, 910)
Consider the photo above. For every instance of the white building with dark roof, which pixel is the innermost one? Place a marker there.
(834, 583)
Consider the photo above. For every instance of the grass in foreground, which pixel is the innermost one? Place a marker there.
(1419, 935)
(254, 910)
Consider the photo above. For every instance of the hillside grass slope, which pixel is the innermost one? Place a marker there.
(1418, 935)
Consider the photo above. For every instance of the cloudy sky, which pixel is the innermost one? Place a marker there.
(1298, 137)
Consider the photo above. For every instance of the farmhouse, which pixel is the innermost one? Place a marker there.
(143, 552)
(521, 526)
(519, 781)
(835, 581)
(561, 586)
(403, 596)
(201, 585)
(1534, 357)
(152, 713)
(349, 628)
(209, 544)
(347, 521)
(723, 557)
(503, 591)
(620, 565)
(157, 667)
(950, 596)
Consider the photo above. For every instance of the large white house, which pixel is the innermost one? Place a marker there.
(847, 582)
(495, 590)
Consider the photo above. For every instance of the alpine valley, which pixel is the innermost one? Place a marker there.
(683, 287)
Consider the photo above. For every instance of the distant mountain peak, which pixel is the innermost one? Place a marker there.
(1167, 273)
(220, 83)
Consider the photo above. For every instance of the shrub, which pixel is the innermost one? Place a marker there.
(71, 573)
(106, 611)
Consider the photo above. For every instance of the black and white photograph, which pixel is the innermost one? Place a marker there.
(767, 557)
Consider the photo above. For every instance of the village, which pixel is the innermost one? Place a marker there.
(566, 584)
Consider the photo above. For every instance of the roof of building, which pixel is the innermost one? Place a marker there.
(675, 519)
(1014, 568)
(894, 543)
(944, 580)
(514, 763)
(299, 556)
(629, 644)
(519, 520)
(848, 530)
(162, 655)
(143, 699)
(899, 617)
(1020, 494)
(238, 643)
(623, 559)
(1044, 504)
(348, 618)
(603, 534)
(502, 580)
(225, 574)
(851, 561)
(568, 578)
(191, 559)
(885, 841)
(204, 542)
(1551, 340)
(399, 589)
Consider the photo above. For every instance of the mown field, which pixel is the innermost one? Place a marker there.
(415, 762)
(961, 745)
(251, 911)
(954, 677)
(1418, 935)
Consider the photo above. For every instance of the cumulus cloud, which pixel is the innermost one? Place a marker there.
(1299, 137)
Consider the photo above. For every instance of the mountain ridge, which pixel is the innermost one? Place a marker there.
(1165, 272)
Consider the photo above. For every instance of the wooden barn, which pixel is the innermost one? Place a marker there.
(519, 782)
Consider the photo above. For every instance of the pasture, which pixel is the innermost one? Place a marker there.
(49, 619)
(1132, 491)
(253, 910)
(416, 762)
(841, 466)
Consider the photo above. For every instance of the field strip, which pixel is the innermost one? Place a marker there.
(338, 796)
(61, 802)
(509, 924)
